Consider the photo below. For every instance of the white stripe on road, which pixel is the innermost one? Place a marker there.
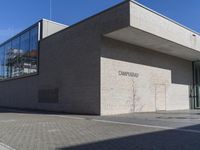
(70, 117)
(5, 147)
(148, 126)
(133, 124)
(7, 121)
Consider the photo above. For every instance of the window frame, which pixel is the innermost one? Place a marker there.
(39, 26)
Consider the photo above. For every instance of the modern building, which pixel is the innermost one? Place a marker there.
(125, 59)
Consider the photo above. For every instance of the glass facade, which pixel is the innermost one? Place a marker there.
(19, 56)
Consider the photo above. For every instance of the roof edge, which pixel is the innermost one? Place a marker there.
(90, 17)
(43, 19)
(165, 17)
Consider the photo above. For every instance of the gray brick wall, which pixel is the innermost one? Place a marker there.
(69, 61)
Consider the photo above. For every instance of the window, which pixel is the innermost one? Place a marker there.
(33, 50)
(19, 56)
(8, 61)
(24, 54)
(2, 54)
(15, 54)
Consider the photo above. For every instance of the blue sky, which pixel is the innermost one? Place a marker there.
(16, 15)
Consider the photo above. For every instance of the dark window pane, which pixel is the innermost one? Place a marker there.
(34, 39)
(24, 53)
(8, 50)
(2, 54)
(19, 56)
(15, 57)
(33, 50)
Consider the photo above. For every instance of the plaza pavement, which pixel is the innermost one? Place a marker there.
(176, 130)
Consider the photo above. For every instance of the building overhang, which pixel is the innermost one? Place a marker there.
(156, 32)
(152, 42)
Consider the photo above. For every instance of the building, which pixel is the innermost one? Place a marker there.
(125, 59)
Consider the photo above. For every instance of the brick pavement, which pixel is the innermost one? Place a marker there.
(29, 131)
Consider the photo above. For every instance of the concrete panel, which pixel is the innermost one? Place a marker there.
(160, 97)
(50, 27)
(70, 61)
(152, 42)
(147, 77)
(21, 93)
(149, 21)
(156, 32)
(178, 97)
(126, 94)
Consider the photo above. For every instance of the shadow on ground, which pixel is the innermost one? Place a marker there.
(187, 138)
(163, 140)
(36, 111)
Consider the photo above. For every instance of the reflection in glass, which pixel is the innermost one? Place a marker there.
(15, 57)
(2, 55)
(19, 56)
(24, 53)
(8, 51)
(33, 50)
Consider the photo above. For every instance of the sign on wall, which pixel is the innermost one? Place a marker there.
(128, 74)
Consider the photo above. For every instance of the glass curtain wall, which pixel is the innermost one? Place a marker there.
(2, 59)
(19, 56)
(33, 50)
(8, 60)
(24, 53)
(15, 57)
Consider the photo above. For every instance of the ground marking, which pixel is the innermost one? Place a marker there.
(70, 117)
(5, 147)
(53, 130)
(148, 126)
(6, 121)
(135, 124)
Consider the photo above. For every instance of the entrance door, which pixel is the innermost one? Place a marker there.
(160, 97)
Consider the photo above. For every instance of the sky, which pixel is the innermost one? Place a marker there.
(16, 15)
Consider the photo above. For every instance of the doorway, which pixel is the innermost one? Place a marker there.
(160, 97)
